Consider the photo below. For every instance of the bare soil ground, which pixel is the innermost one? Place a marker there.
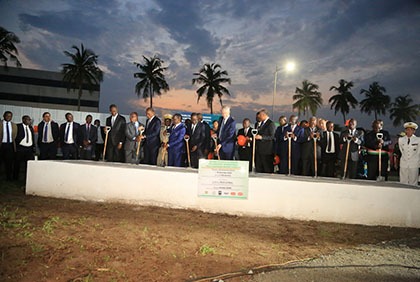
(46, 239)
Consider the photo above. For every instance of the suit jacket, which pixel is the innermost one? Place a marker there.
(152, 132)
(281, 143)
(354, 146)
(198, 137)
(307, 144)
(130, 136)
(21, 134)
(265, 146)
(324, 143)
(248, 134)
(75, 133)
(227, 134)
(14, 133)
(117, 133)
(54, 130)
(84, 135)
(207, 140)
(176, 139)
(371, 142)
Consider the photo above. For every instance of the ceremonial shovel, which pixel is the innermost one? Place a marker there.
(380, 136)
(164, 151)
(107, 130)
(347, 156)
(254, 133)
(138, 148)
(289, 137)
(316, 163)
(215, 144)
(187, 138)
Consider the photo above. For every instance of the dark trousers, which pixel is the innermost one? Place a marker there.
(195, 157)
(150, 153)
(48, 151)
(351, 168)
(226, 155)
(174, 158)
(7, 156)
(87, 153)
(264, 163)
(113, 154)
(373, 166)
(328, 164)
(99, 150)
(23, 155)
(245, 154)
(70, 152)
(308, 166)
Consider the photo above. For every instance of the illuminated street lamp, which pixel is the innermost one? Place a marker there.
(288, 67)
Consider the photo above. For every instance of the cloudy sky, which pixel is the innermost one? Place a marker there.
(361, 41)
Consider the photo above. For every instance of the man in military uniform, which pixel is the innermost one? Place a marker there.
(410, 155)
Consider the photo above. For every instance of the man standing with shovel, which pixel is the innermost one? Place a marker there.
(116, 135)
(133, 136)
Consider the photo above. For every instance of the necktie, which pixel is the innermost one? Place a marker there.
(246, 132)
(27, 134)
(408, 142)
(193, 129)
(46, 133)
(87, 130)
(8, 132)
(112, 121)
(66, 137)
(329, 141)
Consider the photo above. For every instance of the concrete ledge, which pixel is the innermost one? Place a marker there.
(330, 200)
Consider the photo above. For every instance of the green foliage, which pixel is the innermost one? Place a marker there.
(206, 250)
(344, 99)
(307, 98)
(376, 101)
(152, 80)
(211, 77)
(8, 49)
(50, 224)
(403, 110)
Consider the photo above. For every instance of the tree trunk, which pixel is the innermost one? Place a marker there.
(211, 107)
(79, 98)
(376, 115)
(344, 118)
(151, 96)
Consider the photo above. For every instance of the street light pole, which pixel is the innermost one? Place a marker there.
(274, 90)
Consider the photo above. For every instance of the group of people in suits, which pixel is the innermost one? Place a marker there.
(310, 148)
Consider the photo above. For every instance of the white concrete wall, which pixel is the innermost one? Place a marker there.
(356, 202)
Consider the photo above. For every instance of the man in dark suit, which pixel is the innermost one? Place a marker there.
(354, 139)
(207, 140)
(176, 143)
(245, 150)
(226, 135)
(281, 145)
(197, 133)
(69, 132)
(25, 145)
(264, 146)
(48, 136)
(8, 133)
(132, 138)
(88, 134)
(295, 133)
(330, 147)
(152, 134)
(116, 136)
(373, 143)
(308, 142)
(100, 141)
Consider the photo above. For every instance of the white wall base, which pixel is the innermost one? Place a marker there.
(330, 200)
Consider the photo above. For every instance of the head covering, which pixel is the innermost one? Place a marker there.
(411, 124)
(167, 116)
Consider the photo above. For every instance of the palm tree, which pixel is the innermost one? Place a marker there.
(8, 49)
(403, 110)
(211, 77)
(376, 101)
(344, 99)
(82, 72)
(307, 98)
(152, 80)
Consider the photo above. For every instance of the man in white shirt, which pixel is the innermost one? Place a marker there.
(68, 138)
(8, 132)
(330, 147)
(25, 145)
(99, 146)
(48, 134)
(410, 155)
